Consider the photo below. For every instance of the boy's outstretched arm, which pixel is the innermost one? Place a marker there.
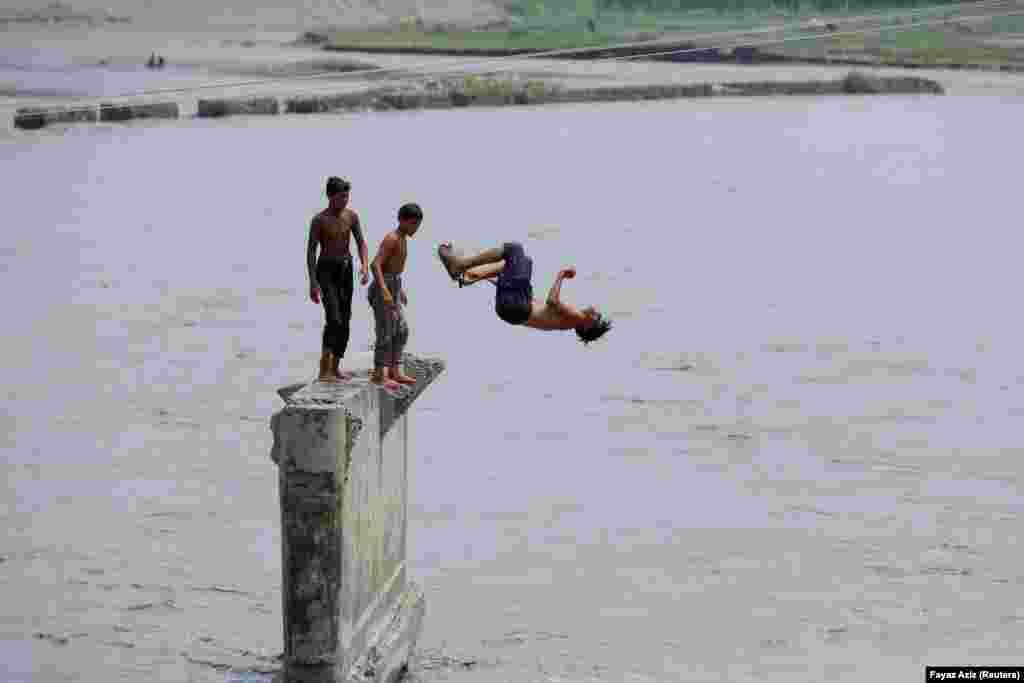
(554, 299)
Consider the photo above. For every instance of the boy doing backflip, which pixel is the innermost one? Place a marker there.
(388, 298)
(512, 271)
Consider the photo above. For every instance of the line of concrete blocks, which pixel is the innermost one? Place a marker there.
(31, 118)
(218, 107)
(481, 94)
(502, 94)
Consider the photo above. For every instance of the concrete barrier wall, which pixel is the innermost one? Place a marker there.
(37, 117)
(350, 610)
(482, 92)
(213, 108)
(128, 112)
(31, 118)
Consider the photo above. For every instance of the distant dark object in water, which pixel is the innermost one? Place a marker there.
(591, 26)
(155, 62)
(313, 38)
(744, 54)
(832, 27)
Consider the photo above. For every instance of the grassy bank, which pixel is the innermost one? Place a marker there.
(489, 41)
(887, 33)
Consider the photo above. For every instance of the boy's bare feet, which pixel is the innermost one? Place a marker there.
(400, 377)
(381, 379)
(326, 368)
(339, 374)
(444, 252)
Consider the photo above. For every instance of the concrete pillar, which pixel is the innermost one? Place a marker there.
(351, 613)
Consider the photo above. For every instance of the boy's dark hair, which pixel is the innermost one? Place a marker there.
(595, 330)
(336, 185)
(410, 211)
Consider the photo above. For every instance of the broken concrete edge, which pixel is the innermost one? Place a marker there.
(387, 658)
(329, 396)
(388, 654)
(489, 94)
(346, 596)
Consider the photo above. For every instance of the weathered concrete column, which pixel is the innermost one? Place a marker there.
(350, 611)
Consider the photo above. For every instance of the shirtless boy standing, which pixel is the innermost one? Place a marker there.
(387, 298)
(331, 278)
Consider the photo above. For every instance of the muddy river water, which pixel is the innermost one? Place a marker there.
(796, 457)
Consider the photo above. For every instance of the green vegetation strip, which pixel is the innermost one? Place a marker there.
(547, 25)
(466, 41)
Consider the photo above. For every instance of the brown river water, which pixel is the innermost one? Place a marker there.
(796, 457)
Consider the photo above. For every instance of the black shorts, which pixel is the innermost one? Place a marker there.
(513, 298)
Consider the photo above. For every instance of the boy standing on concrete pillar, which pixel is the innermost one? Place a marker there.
(387, 298)
(330, 275)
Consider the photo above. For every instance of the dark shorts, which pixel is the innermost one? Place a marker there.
(335, 278)
(513, 298)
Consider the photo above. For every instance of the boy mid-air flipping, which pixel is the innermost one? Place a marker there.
(513, 298)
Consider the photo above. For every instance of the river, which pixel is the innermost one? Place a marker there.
(795, 457)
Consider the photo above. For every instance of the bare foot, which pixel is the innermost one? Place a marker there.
(444, 252)
(385, 383)
(327, 378)
(402, 378)
(343, 375)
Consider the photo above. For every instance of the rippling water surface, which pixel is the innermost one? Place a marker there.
(796, 456)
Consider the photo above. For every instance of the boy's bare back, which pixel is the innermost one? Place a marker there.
(393, 251)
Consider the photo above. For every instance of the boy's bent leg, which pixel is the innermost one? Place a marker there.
(478, 273)
(458, 264)
(383, 321)
(398, 342)
(484, 257)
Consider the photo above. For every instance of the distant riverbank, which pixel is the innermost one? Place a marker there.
(688, 52)
(103, 77)
(908, 38)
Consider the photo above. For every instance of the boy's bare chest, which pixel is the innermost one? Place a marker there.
(335, 229)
